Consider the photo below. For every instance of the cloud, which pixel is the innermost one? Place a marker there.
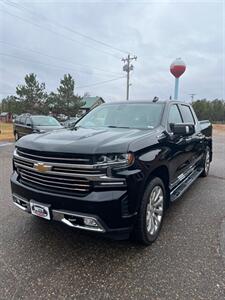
(157, 32)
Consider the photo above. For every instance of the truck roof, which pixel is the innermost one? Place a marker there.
(147, 102)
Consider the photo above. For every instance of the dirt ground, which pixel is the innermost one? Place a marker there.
(6, 132)
(219, 128)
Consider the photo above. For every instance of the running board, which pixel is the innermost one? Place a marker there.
(178, 191)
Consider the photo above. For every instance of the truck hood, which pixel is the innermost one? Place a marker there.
(85, 141)
(48, 128)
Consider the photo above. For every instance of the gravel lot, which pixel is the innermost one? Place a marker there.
(46, 260)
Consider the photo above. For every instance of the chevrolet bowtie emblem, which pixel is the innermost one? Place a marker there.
(41, 167)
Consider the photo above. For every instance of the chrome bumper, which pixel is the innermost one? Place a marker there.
(69, 218)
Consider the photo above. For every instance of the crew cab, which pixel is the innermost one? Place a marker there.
(116, 171)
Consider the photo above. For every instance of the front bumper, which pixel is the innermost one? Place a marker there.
(107, 208)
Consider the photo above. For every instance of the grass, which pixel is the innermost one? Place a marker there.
(6, 132)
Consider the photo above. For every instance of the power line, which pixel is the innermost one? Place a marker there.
(100, 83)
(21, 7)
(57, 33)
(55, 57)
(84, 86)
(45, 64)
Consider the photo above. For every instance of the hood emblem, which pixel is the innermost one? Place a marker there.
(41, 167)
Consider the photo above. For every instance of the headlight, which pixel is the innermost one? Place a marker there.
(120, 160)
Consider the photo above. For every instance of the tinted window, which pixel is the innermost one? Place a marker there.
(45, 121)
(17, 119)
(28, 121)
(22, 120)
(174, 115)
(187, 114)
(123, 115)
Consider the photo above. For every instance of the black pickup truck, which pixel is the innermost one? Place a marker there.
(116, 170)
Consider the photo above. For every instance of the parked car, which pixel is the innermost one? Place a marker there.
(26, 124)
(116, 171)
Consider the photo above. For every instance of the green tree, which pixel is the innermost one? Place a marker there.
(11, 104)
(32, 94)
(65, 100)
(210, 110)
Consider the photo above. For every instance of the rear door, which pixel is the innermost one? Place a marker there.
(28, 126)
(20, 126)
(180, 155)
(196, 141)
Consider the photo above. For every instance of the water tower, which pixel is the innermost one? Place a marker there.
(177, 68)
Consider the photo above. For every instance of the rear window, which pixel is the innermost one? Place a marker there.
(187, 114)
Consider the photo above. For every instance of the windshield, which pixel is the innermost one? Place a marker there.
(141, 116)
(45, 121)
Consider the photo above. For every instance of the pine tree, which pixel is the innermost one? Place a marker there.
(32, 94)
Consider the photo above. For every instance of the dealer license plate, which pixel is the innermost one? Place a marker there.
(40, 210)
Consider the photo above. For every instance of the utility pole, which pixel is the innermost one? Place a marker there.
(127, 68)
(192, 97)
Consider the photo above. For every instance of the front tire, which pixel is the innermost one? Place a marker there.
(151, 213)
(16, 136)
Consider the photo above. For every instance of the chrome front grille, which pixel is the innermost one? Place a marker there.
(61, 174)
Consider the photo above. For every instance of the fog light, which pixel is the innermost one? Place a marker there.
(90, 222)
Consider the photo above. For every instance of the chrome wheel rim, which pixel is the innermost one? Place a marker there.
(207, 161)
(154, 211)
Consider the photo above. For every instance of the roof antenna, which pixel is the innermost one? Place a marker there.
(155, 99)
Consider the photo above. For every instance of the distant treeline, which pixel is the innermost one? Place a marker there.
(210, 110)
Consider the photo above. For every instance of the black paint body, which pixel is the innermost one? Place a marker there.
(156, 151)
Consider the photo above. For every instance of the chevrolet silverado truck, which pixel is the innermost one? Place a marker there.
(116, 171)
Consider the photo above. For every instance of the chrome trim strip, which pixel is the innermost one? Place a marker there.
(88, 176)
(94, 166)
(54, 158)
(91, 177)
(56, 187)
(36, 174)
(60, 183)
(20, 206)
(96, 229)
(59, 215)
(112, 183)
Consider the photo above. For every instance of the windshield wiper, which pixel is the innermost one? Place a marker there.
(113, 126)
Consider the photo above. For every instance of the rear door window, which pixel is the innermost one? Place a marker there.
(187, 114)
(174, 115)
(22, 120)
(28, 121)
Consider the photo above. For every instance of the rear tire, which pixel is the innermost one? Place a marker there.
(151, 213)
(206, 163)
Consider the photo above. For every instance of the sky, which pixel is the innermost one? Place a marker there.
(88, 39)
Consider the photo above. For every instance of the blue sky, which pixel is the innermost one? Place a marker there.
(46, 37)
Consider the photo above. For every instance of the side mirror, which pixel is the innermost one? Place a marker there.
(182, 129)
(29, 125)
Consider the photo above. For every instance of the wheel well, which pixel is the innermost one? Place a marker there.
(163, 173)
